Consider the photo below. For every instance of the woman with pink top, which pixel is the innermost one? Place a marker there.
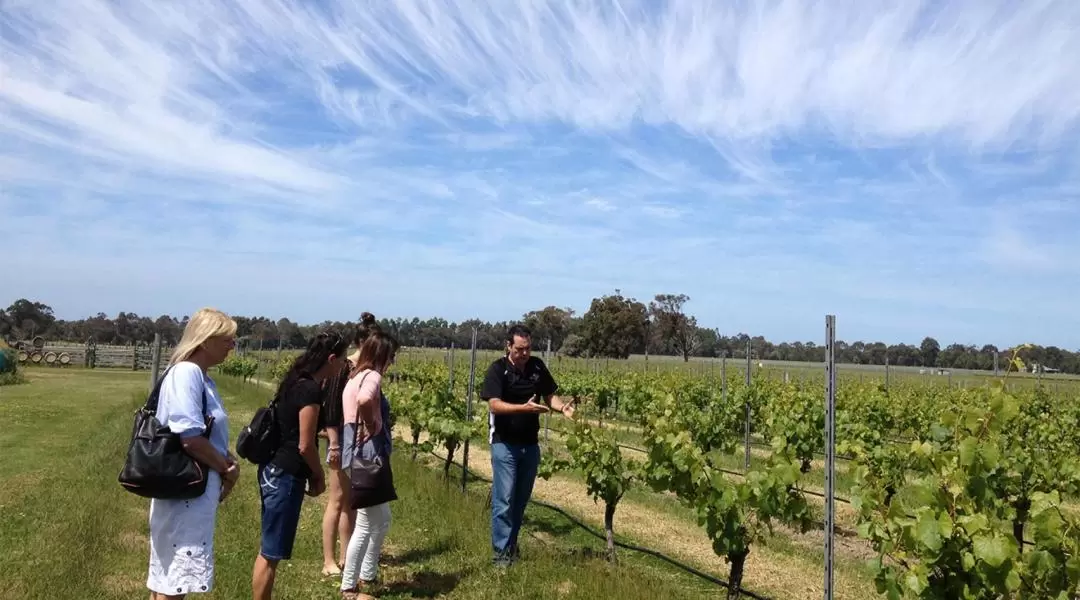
(339, 519)
(366, 418)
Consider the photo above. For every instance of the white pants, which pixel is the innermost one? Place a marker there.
(365, 545)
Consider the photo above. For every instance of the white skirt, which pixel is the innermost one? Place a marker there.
(182, 542)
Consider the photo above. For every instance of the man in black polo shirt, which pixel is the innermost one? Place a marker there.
(518, 389)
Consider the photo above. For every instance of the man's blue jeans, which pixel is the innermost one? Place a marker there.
(513, 469)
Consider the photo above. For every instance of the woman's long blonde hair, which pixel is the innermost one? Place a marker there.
(203, 325)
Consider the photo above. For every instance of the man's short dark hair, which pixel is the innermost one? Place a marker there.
(518, 330)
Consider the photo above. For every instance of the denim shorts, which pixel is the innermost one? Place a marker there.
(282, 496)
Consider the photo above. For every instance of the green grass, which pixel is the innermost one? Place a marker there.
(66, 524)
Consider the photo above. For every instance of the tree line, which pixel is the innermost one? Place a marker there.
(614, 326)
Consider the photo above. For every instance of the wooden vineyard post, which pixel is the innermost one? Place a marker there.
(746, 406)
(155, 360)
(723, 378)
(135, 356)
(830, 449)
(997, 368)
(468, 411)
(886, 374)
(452, 352)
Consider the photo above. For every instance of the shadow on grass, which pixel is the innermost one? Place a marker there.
(423, 584)
(418, 555)
(547, 524)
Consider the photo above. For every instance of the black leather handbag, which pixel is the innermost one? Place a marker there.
(157, 465)
(371, 481)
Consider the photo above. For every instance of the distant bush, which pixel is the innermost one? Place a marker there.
(9, 360)
(240, 366)
(573, 346)
(9, 367)
(281, 367)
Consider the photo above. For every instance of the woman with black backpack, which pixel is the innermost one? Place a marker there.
(294, 468)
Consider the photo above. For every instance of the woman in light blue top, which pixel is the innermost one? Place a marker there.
(182, 531)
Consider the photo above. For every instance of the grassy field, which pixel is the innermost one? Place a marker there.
(67, 529)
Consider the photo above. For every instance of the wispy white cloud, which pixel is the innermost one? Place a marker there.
(632, 144)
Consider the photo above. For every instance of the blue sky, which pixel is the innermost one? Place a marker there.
(913, 168)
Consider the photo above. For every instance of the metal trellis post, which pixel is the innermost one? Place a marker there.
(746, 406)
(830, 449)
(468, 411)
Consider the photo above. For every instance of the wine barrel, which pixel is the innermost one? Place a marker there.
(35, 357)
(50, 358)
(24, 356)
(65, 358)
(39, 342)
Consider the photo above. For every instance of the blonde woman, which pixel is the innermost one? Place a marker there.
(182, 531)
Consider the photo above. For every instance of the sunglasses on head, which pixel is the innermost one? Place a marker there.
(332, 336)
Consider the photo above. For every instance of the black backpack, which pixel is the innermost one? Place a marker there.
(259, 440)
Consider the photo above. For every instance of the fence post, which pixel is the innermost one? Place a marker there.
(468, 411)
(886, 374)
(155, 360)
(135, 356)
(830, 448)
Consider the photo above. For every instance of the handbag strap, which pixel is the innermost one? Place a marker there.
(356, 424)
(152, 400)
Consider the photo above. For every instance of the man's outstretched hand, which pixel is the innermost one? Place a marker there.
(534, 407)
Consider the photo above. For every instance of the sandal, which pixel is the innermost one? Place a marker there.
(356, 594)
(331, 571)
